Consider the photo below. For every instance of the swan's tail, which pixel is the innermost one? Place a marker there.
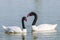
(55, 26)
(4, 27)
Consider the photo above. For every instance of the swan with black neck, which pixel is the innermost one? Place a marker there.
(41, 26)
(16, 29)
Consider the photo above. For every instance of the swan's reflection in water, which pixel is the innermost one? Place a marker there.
(12, 33)
(42, 35)
(15, 36)
(23, 37)
(46, 35)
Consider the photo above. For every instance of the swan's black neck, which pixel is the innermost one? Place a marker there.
(23, 23)
(35, 18)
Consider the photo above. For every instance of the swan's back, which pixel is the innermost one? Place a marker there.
(12, 28)
(47, 26)
(15, 28)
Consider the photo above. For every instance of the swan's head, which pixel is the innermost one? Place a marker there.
(31, 14)
(24, 18)
(35, 17)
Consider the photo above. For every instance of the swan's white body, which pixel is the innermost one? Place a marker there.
(44, 27)
(13, 29)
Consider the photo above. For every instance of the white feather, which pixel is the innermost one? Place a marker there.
(44, 27)
(13, 29)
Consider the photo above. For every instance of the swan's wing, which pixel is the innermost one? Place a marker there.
(7, 29)
(4, 27)
(47, 26)
(42, 25)
(15, 28)
(12, 28)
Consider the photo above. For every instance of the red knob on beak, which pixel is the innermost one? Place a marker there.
(28, 15)
(25, 19)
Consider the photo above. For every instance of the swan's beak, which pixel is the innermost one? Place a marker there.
(28, 15)
(25, 19)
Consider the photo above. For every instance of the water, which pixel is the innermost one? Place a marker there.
(12, 11)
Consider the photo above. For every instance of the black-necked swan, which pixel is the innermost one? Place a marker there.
(41, 26)
(16, 29)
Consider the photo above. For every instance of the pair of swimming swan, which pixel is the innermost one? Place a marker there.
(34, 27)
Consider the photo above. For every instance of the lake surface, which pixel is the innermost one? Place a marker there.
(12, 11)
